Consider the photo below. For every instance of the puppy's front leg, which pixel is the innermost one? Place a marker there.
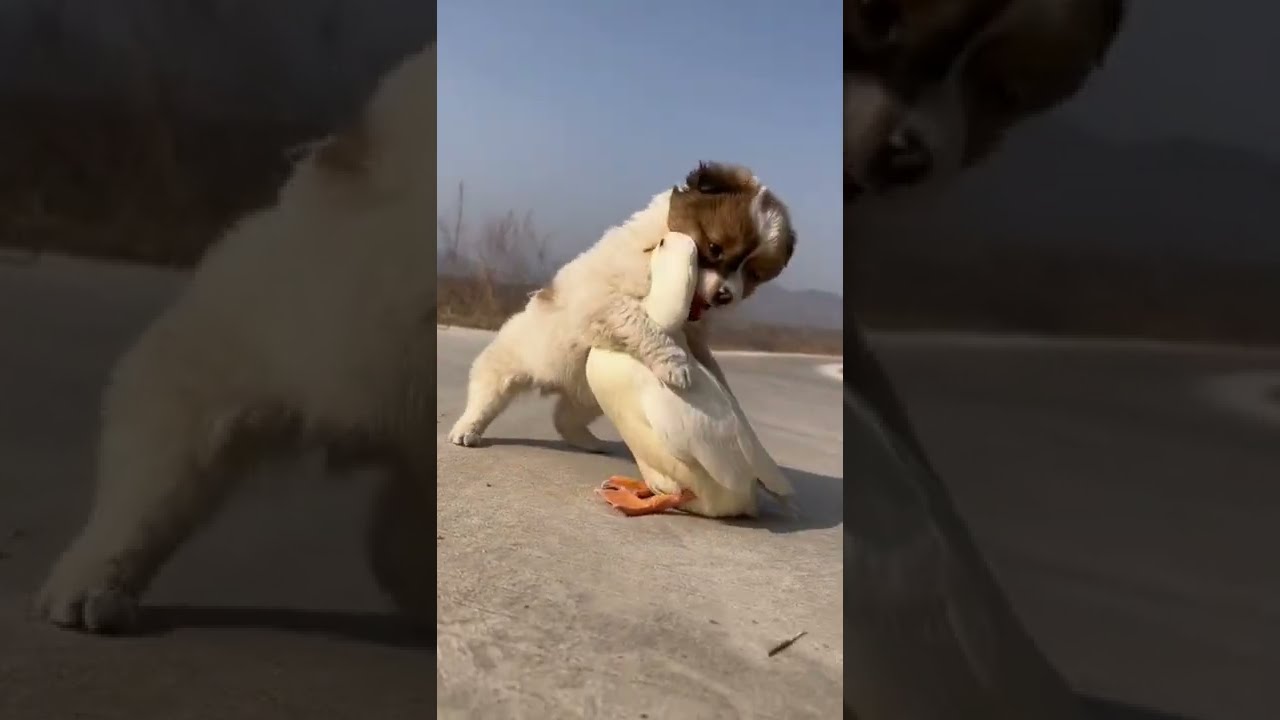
(624, 326)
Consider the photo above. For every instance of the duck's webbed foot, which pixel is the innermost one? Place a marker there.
(633, 497)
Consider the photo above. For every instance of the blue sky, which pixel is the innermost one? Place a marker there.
(581, 110)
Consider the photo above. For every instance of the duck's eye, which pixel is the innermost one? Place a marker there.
(714, 251)
(660, 242)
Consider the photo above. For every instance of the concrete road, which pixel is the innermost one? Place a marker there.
(1126, 494)
(271, 614)
(551, 601)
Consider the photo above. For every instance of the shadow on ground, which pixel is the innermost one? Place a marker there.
(818, 505)
(1100, 709)
(816, 501)
(365, 627)
(611, 448)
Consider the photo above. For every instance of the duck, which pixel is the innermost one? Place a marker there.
(694, 448)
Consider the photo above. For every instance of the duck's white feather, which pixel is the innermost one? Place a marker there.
(767, 471)
(704, 426)
(696, 439)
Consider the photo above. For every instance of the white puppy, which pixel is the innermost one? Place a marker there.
(312, 320)
(744, 239)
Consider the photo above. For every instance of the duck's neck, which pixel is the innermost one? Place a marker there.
(670, 295)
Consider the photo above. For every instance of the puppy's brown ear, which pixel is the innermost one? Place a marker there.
(711, 178)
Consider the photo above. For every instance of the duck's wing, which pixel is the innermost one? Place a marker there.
(703, 427)
(766, 470)
(760, 461)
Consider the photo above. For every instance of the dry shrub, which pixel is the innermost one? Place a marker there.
(140, 181)
(127, 171)
(484, 277)
(779, 338)
(142, 184)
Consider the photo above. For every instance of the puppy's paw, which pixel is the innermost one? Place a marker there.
(464, 435)
(673, 370)
(79, 603)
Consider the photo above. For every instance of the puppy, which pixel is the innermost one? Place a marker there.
(310, 321)
(931, 86)
(745, 239)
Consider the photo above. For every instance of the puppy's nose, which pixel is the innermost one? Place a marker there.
(903, 159)
(723, 296)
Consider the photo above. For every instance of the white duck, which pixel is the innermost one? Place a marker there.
(695, 448)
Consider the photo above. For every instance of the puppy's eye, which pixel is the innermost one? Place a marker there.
(714, 251)
(660, 242)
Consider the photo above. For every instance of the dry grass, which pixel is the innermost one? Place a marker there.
(487, 275)
(126, 172)
(131, 181)
(137, 179)
(1025, 290)
(779, 339)
(140, 182)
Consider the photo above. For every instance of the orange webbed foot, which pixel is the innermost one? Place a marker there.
(622, 482)
(633, 497)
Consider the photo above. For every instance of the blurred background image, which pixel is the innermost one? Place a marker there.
(137, 130)
(1145, 207)
(1123, 490)
(131, 134)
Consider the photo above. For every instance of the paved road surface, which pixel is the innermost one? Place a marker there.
(1129, 502)
(541, 584)
(1127, 496)
(268, 615)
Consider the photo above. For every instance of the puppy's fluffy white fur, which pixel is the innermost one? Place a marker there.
(312, 319)
(593, 301)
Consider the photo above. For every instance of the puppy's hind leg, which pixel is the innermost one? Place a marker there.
(156, 481)
(572, 416)
(490, 390)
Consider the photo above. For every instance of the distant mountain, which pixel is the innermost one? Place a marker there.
(773, 304)
(1062, 189)
(1067, 232)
